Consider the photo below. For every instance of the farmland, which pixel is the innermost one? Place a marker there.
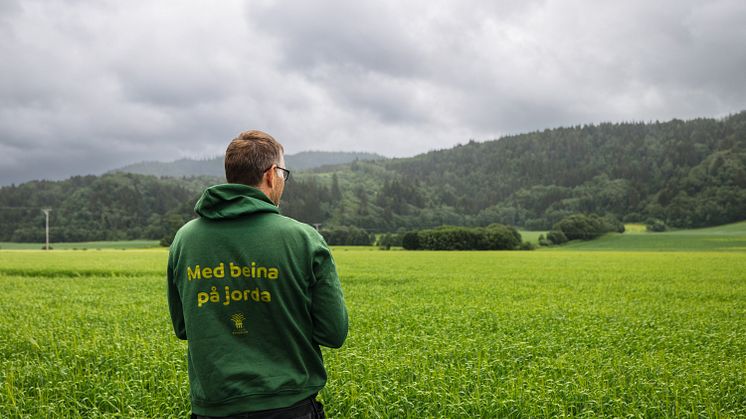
(556, 332)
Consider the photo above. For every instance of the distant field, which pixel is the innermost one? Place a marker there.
(126, 244)
(432, 334)
(721, 238)
(731, 237)
(531, 236)
(635, 228)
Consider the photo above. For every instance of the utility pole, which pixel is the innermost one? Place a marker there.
(46, 216)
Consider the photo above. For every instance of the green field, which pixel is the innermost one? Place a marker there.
(575, 330)
(123, 245)
(731, 237)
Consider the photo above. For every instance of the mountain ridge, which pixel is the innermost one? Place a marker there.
(213, 166)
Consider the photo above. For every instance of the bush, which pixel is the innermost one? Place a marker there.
(347, 236)
(411, 241)
(388, 240)
(588, 227)
(655, 225)
(579, 227)
(556, 237)
(493, 237)
(612, 224)
(448, 238)
(502, 237)
(527, 246)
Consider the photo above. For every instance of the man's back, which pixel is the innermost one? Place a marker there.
(255, 294)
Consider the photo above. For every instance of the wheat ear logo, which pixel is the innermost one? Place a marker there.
(237, 320)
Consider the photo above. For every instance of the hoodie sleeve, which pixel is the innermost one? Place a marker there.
(174, 301)
(327, 302)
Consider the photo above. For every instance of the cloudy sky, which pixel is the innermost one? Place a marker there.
(91, 85)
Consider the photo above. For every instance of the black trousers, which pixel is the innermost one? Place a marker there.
(309, 408)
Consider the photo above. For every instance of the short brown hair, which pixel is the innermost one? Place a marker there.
(250, 155)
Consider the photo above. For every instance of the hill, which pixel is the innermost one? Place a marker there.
(687, 173)
(214, 166)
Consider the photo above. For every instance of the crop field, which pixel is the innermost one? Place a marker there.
(580, 333)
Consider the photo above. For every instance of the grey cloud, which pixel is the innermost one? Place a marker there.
(9, 8)
(337, 33)
(86, 86)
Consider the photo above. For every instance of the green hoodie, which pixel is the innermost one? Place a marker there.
(255, 294)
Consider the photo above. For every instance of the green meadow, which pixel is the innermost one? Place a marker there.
(597, 329)
(730, 237)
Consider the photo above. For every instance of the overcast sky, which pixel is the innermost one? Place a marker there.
(91, 85)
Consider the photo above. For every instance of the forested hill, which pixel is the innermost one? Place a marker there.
(214, 166)
(116, 206)
(686, 173)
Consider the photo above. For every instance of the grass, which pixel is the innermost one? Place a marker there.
(531, 236)
(432, 334)
(88, 347)
(552, 334)
(635, 228)
(731, 237)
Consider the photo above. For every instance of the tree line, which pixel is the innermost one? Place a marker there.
(89, 208)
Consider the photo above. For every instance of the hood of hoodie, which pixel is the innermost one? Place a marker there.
(232, 200)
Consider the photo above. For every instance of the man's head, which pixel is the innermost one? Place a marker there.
(253, 159)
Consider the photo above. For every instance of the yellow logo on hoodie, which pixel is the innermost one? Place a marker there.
(237, 320)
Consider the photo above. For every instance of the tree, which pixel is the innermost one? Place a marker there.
(336, 192)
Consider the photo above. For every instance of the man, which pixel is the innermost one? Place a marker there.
(254, 293)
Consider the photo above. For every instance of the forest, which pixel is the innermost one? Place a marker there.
(686, 173)
(683, 173)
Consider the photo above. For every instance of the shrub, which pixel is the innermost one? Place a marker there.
(655, 225)
(556, 237)
(450, 238)
(612, 224)
(411, 241)
(386, 241)
(502, 237)
(579, 227)
(346, 236)
(527, 246)
(588, 227)
(493, 237)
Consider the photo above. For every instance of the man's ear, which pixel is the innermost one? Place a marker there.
(270, 177)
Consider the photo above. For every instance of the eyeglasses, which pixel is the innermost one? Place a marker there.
(285, 172)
